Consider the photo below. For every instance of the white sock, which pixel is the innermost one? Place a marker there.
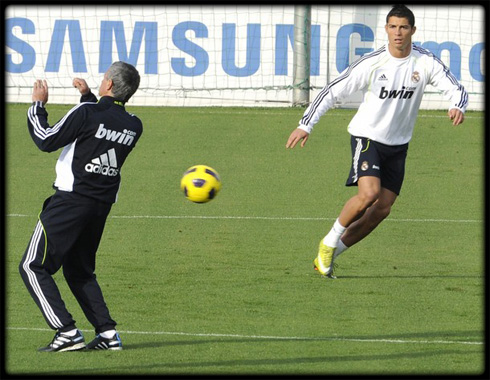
(108, 334)
(333, 237)
(70, 333)
(341, 247)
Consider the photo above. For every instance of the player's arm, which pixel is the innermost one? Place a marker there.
(85, 92)
(296, 136)
(349, 81)
(456, 115)
(445, 81)
(50, 138)
(40, 91)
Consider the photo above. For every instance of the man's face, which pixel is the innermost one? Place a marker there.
(399, 34)
(105, 86)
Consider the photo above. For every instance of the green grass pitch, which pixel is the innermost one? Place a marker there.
(228, 287)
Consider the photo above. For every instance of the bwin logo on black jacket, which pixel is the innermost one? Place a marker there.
(404, 93)
(125, 137)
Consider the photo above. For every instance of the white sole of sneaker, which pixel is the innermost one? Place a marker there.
(75, 347)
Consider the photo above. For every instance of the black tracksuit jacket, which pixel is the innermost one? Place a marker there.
(96, 138)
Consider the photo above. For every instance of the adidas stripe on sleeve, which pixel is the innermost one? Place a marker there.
(349, 81)
(50, 138)
(446, 82)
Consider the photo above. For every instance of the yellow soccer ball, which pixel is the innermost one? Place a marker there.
(200, 183)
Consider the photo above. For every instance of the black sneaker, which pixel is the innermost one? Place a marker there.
(101, 343)
(62, 342)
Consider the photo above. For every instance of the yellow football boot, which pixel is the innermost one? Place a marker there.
(323, 263)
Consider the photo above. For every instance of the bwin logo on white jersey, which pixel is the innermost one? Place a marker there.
(404, 93)
(126, 137)
(106, 164)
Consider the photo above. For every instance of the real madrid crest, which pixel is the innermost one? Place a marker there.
(415, 77)
(365, 166)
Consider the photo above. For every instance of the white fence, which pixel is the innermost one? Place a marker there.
(222, 55)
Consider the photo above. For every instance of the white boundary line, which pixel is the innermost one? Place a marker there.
(224, 111)
(271, 337)
(223, 217)
(280, 218)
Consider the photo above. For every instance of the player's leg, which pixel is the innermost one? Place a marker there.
(52, 238)
(369, 189)
(79, 267)
(373, 216)
(80, 276)
(368, 193)
(79, 272)
(365, 175)
(392, 174)
(36, 269)
(354, 208)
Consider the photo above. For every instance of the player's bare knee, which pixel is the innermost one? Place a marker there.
(382, 211)
(368, 198)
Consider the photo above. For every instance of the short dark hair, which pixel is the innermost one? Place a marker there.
(401, 11)
(125, 79)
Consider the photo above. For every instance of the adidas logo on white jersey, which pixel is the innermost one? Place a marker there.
(383, 77)
(106, 164)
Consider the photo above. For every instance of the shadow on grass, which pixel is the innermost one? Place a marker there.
(272, 364)
(437, 335)
(255, 363)
(431, 276)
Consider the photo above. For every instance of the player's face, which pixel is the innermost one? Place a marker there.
(105, 86)
(399, 36)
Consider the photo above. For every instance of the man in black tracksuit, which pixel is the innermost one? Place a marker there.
(96, 138)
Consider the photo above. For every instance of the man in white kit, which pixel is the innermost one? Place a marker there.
(392, 79)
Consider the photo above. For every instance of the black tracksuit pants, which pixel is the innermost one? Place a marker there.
(67, 235)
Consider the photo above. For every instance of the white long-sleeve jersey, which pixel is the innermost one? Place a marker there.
(392, 92)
